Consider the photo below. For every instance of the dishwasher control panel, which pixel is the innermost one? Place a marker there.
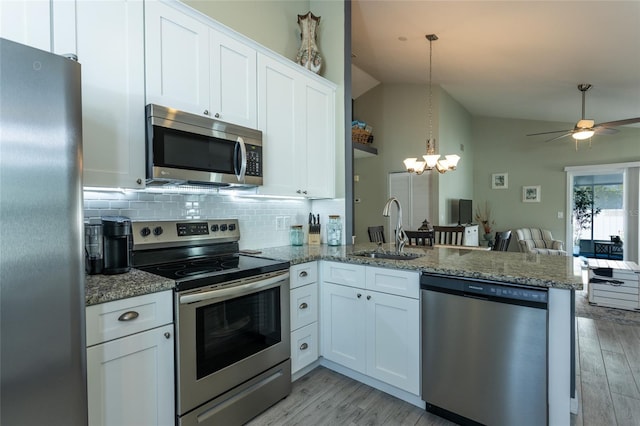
(517, 293)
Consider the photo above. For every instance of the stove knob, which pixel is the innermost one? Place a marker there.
(157, 230)
(232, 227)
(145, 231)
(223, 227)
(214, 228)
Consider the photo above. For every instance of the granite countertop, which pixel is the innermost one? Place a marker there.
(512, 267)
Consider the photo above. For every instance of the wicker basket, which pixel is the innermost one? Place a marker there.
(361, 136)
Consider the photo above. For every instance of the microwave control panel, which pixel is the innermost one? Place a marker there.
(254, 160)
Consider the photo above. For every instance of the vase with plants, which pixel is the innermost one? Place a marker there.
(584, 211)
(483, 216)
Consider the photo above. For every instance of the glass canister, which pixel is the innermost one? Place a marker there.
(334, 231)
(296, 235)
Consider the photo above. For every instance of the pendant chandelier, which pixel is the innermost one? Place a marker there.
(431, 159)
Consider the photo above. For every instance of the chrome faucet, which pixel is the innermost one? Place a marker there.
(401, 237)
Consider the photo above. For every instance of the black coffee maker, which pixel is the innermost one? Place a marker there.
(118, 242)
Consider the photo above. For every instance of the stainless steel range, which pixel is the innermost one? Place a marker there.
(231, 314)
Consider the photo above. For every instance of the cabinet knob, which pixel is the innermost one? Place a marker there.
(303, 346)
(368, 297)
(359, 295)
(167, 335)
(304, 192)
(139, 181)
(298, 192)
(302, 274)
(303, 305)
(217, 115)
(128, 316)
(206, 112)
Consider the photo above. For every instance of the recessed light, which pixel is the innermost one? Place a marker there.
(402, 38)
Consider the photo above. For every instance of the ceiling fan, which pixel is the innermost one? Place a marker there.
(585, 129)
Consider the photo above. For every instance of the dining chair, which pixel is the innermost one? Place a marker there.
(449, 235)
(502, 240)
(376, 234)
(420, 238)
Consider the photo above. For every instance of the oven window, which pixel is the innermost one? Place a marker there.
(232, 330)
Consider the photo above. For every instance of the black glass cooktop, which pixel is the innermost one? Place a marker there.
(209, 270)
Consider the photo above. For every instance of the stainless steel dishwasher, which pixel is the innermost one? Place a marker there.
(484, 351)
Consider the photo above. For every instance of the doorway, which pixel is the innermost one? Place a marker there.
(610, 224)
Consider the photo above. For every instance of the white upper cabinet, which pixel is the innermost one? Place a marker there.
(177, 59)
(110, 49)
(297, 117)
(196, 68)
(27, 22)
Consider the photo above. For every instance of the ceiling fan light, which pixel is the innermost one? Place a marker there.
(582, 135)
(585, 124)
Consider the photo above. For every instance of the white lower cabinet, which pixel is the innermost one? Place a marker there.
(304, 315)
(130, 373)
(372, 332)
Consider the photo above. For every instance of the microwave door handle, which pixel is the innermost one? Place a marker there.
(243, 159)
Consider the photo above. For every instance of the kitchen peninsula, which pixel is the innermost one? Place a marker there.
(556, 274)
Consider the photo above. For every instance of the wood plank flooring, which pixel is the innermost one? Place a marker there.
(607, 380)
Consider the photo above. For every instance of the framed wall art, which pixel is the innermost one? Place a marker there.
(531, 194)
(499, 181)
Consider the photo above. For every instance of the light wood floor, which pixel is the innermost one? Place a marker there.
(608, 383)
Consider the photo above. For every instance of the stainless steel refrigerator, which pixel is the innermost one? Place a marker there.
(42, 343)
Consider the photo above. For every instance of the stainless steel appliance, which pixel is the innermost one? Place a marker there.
(43, 367)
(232, 319)
(484, 350)
(188, 148)
(117, 244)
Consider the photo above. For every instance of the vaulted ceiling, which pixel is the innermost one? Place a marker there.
(512, 59)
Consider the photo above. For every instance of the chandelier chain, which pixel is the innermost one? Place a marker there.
(430, 91)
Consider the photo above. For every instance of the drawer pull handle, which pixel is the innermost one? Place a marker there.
(302, 274)
(359, 295)
(368, 297)
(304, 305)
(167, 335)
(128, 316)
(304, 346)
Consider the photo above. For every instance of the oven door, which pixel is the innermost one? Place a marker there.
(228, 335)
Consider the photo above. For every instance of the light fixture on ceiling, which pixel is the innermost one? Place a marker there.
(431, 159)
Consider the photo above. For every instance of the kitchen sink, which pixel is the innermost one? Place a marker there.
(391, 256)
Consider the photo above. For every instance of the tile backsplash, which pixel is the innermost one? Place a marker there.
(264, 222)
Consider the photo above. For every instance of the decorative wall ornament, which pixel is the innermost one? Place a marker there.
(308, 55)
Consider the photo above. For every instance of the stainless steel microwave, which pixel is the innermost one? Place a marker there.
(185, 148)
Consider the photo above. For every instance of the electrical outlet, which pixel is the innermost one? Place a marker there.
(560, 215)
(280, 223)
(286, 222)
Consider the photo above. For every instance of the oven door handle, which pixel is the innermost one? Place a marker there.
(238, 290)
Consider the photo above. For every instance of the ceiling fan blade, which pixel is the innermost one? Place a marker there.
(605, 130)
(559, 137)
(547, 133)
(619, 122)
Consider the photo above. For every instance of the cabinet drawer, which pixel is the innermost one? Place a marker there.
(112, 320)
(626, 287)
(304, 346)
(394, 281)
(613, 302)
(343, 273)
(304, 305)
(303, 274)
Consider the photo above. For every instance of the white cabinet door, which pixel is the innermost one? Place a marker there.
(233, 80)
(177, 59)
(319, 109)
(278, 110)
(27, 22)
(130, 380)
(393, 340)
(343, 326)
(110, 48)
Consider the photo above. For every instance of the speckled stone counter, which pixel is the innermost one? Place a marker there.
(513, 267)
(106, 288)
